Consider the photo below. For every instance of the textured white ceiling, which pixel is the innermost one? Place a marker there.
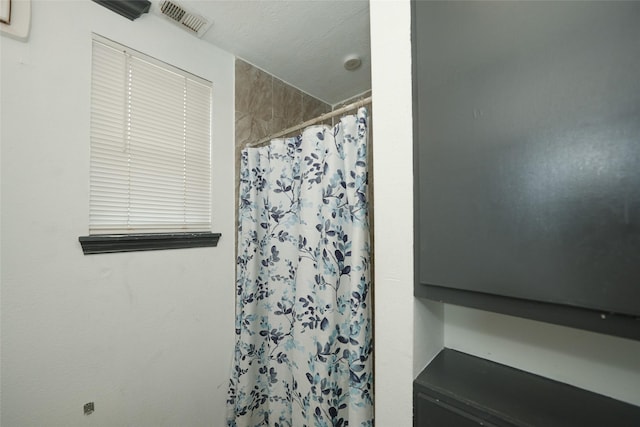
(303, 42)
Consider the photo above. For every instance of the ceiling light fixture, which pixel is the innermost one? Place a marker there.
(352, 62)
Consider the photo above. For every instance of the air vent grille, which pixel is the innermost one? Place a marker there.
(172, 10)
(188, 20)
(193, 23)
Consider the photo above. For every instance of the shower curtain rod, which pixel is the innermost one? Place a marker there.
(353, 105)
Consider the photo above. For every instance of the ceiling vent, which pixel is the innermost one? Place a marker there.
(188, 20)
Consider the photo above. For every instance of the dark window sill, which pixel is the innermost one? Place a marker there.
(109, 243)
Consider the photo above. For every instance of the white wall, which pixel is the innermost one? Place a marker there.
(147, 336)
(400, 320)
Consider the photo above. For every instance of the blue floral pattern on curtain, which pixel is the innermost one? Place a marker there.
(303, 321)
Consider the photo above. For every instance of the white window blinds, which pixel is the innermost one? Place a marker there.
(150, 145)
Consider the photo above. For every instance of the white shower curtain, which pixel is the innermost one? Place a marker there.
(303, 321)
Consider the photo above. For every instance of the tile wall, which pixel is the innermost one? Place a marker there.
(266, 105)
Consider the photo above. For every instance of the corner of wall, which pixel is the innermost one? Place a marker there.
(428, 332)
(393, 207)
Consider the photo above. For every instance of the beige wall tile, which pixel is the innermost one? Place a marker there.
(242, 85)
(254, 91)
(312, 107)
(287, 105)
(243, 128)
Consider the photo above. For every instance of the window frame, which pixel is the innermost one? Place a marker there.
(138, 240)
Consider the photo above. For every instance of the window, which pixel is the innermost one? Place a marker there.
(150, 172)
